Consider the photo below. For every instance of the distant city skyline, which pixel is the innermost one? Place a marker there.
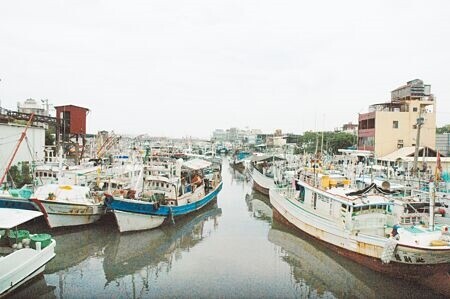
(181, 69)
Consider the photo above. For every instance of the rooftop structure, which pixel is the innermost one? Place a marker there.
(393, 125)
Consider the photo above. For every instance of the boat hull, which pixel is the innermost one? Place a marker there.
(17, 203)
(169, 211)
(128, 221)
(23, 265)
(58, 214)
(149, 208)
(261, 183)
(408, 262)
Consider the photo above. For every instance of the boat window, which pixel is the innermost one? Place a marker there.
(301, 196)
(356, 209)
(315, 200)
(365, 208)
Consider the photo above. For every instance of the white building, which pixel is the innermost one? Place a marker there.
(10, 135)
(31, 106)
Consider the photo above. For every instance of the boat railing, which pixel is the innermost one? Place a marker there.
(288, 192)
(416, 212)
(371, 223)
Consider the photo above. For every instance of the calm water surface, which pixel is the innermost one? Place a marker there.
(231, 248)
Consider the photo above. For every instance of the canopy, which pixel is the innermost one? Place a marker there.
(265, 158)
(10, 218)
(196, 164)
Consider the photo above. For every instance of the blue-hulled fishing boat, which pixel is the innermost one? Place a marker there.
(190, 186)
(17, 199)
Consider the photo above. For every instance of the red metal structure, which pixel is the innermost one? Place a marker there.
(71, 123)
(75, 118)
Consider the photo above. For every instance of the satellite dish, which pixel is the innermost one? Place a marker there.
(386, 185)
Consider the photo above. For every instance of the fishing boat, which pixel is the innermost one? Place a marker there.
(265, 172)
(22, 256)
(168, 197)
(17, 199)
(363, 226)
(238, 160)
(68, 205)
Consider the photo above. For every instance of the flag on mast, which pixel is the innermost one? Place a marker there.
(438, 170)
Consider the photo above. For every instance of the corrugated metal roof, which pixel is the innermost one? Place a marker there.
(400, 153)
(407, 153)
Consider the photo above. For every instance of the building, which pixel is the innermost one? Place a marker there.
(393, 125)
(31, 106)
(443, 143)
(31, 148)
(74, 117)
(220, 135)
(350, 128)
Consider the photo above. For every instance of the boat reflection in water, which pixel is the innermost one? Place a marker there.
(324, 274)
(77, 244)
(259, 205)
(35, 288)
(143, 255)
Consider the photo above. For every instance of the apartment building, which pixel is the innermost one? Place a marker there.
(393, 125)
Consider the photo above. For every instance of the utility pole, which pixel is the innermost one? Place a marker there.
(419, 124)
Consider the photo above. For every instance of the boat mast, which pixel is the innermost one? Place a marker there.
(419, 123)
(432, 187)
(24, 134)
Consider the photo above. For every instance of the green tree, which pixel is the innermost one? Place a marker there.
(27, 178)
(19, 176)
(332, 141)
(442, 130)
(339, 140)
(14, 177)
(49, 138)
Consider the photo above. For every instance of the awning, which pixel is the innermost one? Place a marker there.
(196, 164)
(10, 218)
(265, 158)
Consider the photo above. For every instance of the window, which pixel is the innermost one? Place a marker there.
(395, 124)
(302, 194)
(415, 109)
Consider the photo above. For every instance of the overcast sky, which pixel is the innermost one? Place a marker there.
(183, 68)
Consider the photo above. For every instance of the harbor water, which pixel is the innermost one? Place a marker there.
(233, 248)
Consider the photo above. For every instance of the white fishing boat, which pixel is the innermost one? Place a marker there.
(358, 224)
(264, 171)
(20, 262)
(68, 205)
